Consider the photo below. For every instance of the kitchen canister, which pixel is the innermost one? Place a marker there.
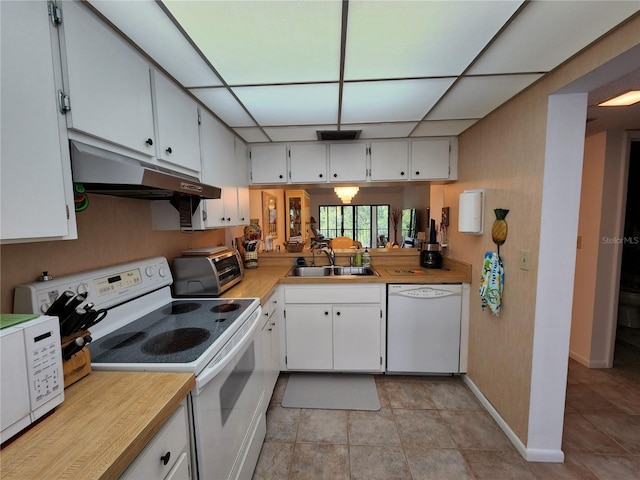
(251, 259)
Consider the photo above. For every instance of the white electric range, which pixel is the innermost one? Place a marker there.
(146, 329)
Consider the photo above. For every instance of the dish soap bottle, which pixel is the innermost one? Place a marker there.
(366, 258)
(358, 258)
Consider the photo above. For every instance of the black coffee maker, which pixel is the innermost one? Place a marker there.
(430, 256)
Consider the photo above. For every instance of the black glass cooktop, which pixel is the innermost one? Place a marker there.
(179, 332)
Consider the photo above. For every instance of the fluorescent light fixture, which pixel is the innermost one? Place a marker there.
(346, 193)
(624, 100)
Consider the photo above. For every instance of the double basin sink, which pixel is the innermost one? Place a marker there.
(332, 271)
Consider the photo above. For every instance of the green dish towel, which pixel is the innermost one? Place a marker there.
(11, 319)
(492, 283)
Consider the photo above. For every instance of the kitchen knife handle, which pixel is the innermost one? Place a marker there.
(57, 306)
(71, 306)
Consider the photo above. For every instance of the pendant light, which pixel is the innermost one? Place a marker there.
(346, 193)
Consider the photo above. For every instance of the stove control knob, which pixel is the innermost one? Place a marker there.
(45, 307)
(82, 289)
(162, 272)
(149, 271)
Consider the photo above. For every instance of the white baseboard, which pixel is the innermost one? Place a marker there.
(588, 362)
(529, 454)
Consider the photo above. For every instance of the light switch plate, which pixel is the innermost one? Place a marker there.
(524, 259)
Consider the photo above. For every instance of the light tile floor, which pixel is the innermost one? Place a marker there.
(433, 428)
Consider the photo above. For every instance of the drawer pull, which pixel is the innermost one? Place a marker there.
(165, 458)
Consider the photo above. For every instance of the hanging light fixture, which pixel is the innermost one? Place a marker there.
(346, 193)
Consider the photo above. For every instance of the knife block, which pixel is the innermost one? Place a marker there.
(79, 365)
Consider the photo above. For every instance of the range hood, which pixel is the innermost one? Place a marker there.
(109, 173)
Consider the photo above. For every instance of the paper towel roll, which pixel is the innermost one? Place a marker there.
(471, 208)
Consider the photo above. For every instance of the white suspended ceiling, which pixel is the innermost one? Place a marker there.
(281, 70)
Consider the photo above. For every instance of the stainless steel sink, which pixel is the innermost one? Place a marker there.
(330, 271)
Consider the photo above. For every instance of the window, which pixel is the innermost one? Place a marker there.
(368, 224)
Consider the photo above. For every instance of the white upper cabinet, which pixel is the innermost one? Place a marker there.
(177, 121)
(430, 159)
(308, 163)
(348, 162)
(217, 146)
(36, 191)
(108, 83)
(389, 161)
(242, 180)
(268, 164)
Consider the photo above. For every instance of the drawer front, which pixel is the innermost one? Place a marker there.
(171, 439)
(333, 295)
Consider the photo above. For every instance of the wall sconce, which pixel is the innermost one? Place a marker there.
(346, 193)
(471, 216)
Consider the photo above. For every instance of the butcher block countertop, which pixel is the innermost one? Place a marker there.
(105, 421)
(393, 266)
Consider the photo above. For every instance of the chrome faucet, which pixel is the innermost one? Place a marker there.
(331, 255)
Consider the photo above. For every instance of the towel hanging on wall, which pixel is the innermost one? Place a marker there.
(492, 283)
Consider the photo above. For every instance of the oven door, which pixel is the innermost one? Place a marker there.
(228, 425)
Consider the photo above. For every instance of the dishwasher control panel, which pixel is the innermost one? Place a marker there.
(425, 291)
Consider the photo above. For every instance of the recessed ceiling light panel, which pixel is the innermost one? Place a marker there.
(623, 100)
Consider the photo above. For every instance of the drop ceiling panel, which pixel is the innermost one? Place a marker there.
(475, 97)
(291, 104)
(415, 39)
(255, 42)
(225, 106)
(442, 128)
(148, 26)
(297, 134)
(251, 135)
(391, 101)
(545, 34)
(382, 130)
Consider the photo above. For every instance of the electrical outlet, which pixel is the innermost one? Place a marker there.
(524, 259)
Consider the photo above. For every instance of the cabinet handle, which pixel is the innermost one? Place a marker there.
(335, 175)
(165, 458)
(273, 324)
(168, 150)
(320, 175)
(279, 176)
(269, 329)
(228, 219)
(326, 313)
(401, 173)
(417, 173)
(222, 219)
(338, 313)
(149, 141)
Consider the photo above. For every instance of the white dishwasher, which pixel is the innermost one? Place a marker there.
(423, 328)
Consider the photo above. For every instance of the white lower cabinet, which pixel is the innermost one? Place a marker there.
(272, 316)
(166, 456)
(339, 328)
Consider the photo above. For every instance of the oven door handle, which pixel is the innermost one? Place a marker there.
(217, 364)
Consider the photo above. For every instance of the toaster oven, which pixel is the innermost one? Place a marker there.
(199, 273)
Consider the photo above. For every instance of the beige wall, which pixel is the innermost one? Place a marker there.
(588, 245)
(112, 230)
(504, 154)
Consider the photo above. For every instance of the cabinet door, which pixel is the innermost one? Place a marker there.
(430, 160)
(357, 337)
(37, 195)
(309, 337)
(308, 163)
(217, 150)
(268, 164)
(241, 168)
(348, 162)
(177, 118)
(298, 214)
(389, 161)
(109, 83)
